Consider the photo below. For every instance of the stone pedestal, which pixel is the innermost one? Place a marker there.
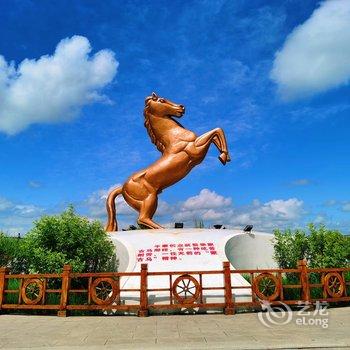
(190, 250)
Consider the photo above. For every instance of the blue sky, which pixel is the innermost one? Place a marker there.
(273, 74)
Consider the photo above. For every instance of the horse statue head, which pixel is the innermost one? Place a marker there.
(162, 107)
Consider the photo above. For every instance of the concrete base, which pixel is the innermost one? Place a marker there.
(190, 250)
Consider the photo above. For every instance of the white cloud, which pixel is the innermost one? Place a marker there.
(301, 182)
(277, 213)
(204, 206)
(319, 219)
(34, 184)
(96, 204)
(316, 55)
(275, 210)
(331, 202)
(346, 207)
(208, 206)
(213, 208)
(212, 215)
(16, 217)
(5, 204)
(343, 206)
(206, 200)
(20, 209)
(164, 208)
(308, 114)
(54, 87)
(208, 215)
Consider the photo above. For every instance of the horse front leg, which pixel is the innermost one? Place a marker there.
(217, 137)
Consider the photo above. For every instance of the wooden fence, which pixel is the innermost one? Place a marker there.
(186, 290)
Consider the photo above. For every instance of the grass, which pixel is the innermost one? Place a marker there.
(50, 298)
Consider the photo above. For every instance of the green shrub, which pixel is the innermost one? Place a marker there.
(289, 247)
(6, 249)
(12, 253)
(321, 247)
(327, 248)
(69, 239)
(58, 240)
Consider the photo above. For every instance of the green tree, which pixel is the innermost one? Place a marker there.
(6, 249)
(68, 239)
(289, 247)
(322, 247)
(328, 248)
(12, 253)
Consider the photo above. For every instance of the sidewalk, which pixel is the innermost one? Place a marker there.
(242, 331)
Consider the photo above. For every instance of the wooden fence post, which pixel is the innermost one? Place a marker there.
(3, 272)
(304, 281)
(67, 269)
(229, 305)
(143, 311)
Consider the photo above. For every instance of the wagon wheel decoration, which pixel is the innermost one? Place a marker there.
(334, 284)
(266, 286)
(103, 291)
(186, 289)
(32, 291)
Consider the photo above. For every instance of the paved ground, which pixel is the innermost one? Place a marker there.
(242, 331)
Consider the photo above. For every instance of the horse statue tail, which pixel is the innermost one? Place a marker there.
(112, 224)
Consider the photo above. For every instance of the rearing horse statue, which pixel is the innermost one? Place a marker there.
(181, 151)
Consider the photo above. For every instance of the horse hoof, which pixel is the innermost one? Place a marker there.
(223, 158)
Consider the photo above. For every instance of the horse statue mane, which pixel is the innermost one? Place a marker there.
(181, 151)
(160, 146)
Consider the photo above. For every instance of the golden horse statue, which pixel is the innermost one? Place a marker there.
(181, 151)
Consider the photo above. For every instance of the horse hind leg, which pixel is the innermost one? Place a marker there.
(145, 207)
(147, 210)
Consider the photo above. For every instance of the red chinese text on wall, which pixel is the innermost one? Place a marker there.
(175, 251)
